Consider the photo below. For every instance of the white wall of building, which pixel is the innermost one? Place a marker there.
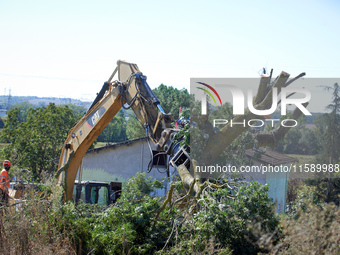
(123, 160)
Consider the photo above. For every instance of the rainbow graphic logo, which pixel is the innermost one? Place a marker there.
(204, 99)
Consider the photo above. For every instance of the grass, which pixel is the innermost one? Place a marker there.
(303, 159)
(99, 144)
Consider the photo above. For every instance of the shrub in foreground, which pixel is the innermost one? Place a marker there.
(221, 221)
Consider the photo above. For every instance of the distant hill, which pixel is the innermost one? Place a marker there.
(39, 101)
(8, 101)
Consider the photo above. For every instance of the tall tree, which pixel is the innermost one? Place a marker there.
(115, 130)
(36, 143)
(134, 128)
(77, 110)
(332, 132)
(172, 99)
(24, 108)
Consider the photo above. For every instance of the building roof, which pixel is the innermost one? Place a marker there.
(271, 157)
(111, 146)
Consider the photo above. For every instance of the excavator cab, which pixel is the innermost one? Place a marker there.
(100, 193)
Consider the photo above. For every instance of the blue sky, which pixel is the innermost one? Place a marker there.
(69, 48)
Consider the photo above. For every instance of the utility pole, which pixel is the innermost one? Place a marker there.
(9, 99)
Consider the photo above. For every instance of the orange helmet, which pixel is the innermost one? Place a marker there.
(7, 162)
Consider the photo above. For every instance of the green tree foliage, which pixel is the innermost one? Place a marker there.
(327, 141)
(228, 221)
(332, 132)
(331, 141)
(310, 142)
(172, 99)
(78, 111)
(300, 140)
(131, 227)
(242, 224)
(115, 130)
(35, 144)
(24, 109)
(128, 227)
(134, 128)
(125, 228)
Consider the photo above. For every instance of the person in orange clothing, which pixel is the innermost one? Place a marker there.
(4, 182)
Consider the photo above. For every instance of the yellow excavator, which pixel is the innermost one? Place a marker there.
(130, 90)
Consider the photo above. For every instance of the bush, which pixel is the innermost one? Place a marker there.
(306, 196)
(314, 229)
(225, 224)
(129, 227)
(222, 222)
(28, 230)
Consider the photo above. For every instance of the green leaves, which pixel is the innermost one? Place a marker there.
(172, 99)
(115, 130)
(128, 226)
(134, 128)
(220, 223)
(36, 136)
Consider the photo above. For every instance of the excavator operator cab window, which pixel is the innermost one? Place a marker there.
(79, 193)
(92, 193)
(98, 195)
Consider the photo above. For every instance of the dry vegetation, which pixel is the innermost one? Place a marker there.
(45, 226)
(28, 227)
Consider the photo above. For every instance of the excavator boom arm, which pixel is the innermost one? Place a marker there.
(129, 91)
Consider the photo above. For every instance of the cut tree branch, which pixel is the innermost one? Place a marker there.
(221, 140)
